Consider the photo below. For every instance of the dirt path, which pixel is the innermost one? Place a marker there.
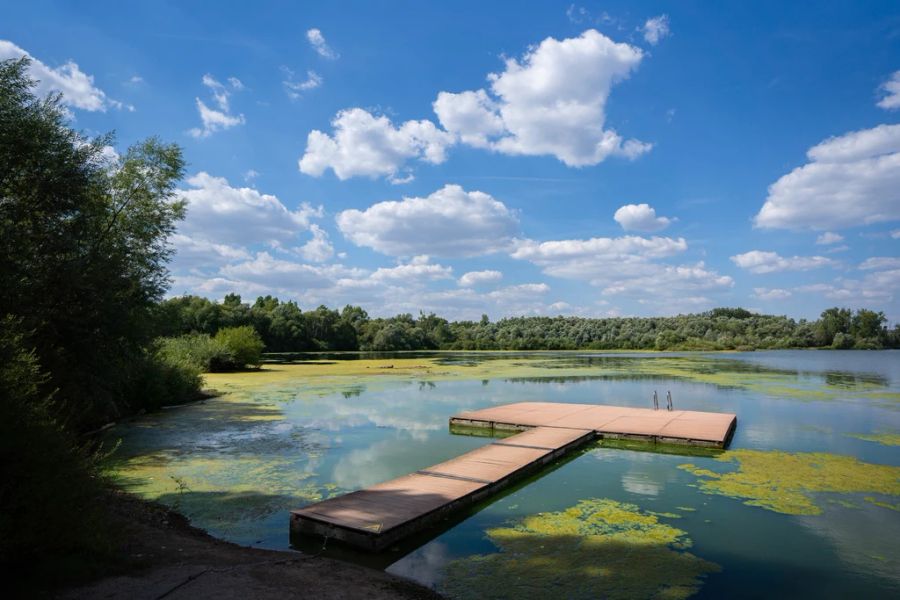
(165, 557)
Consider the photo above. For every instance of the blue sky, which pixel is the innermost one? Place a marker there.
(466, 158)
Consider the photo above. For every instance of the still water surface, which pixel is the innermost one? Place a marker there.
(237, 464)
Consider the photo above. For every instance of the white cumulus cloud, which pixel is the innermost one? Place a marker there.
(193, 253)
(369, 145)
(317, 41)
(628, 265)
(449, 222)
(471, 115)
(873, 290)
(473, 278)
(771, 293)
(655, 29)
(77, 87)
(853, 179)
(576, 251)
(519, 292)
(759, 262)
(552, 101)
(217, 120)
(640, 217)
(891, 92)
(880, 262)
(295, 89)
(222, 221)
(319, 248)
(666, 285)
(828, 238)
(279, 274)
(419, 268)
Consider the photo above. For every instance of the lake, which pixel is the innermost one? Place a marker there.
(805, 502)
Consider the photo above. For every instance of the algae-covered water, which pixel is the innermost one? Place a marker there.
(805, 503)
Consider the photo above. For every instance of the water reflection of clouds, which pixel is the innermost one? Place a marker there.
(639, 483)
(762, 435)
(364, 467)
(865, 537)
(622, 455)
(840, 363)
(425, 565)
(381, 461)
(404, 407)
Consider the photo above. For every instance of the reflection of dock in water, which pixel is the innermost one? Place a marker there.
(381, 515)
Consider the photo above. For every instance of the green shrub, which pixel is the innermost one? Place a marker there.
(51, 498)
(232, 348)
(195, 350)
(244, 345)
(842, 341)
(868, 344)
(166, 378)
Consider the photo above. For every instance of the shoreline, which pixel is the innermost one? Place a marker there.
(161, 555)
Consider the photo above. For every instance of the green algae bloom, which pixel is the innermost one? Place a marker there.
(322, 377)
(598, 548)
(664, 515)
(885, 439)
(887, 505)
(786, 482)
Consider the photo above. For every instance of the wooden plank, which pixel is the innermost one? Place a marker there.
(490, 463)
(550, 438)
(595, 417)
(387, 505)
(637, 425)
(699, 426)
(677, 425)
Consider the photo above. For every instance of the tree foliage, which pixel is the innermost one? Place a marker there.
(243, 344)
(83, 251)
(83, 248)
(51, 513)
(284, 327)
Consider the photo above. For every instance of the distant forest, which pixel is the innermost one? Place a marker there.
(284, 327)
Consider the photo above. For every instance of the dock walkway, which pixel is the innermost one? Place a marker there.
(379, 516)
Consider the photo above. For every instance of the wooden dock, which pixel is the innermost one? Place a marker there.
(379, 516)
(618, 422)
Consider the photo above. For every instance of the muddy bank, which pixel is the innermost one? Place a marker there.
(163, 556)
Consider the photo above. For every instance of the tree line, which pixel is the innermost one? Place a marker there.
(284, 327)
